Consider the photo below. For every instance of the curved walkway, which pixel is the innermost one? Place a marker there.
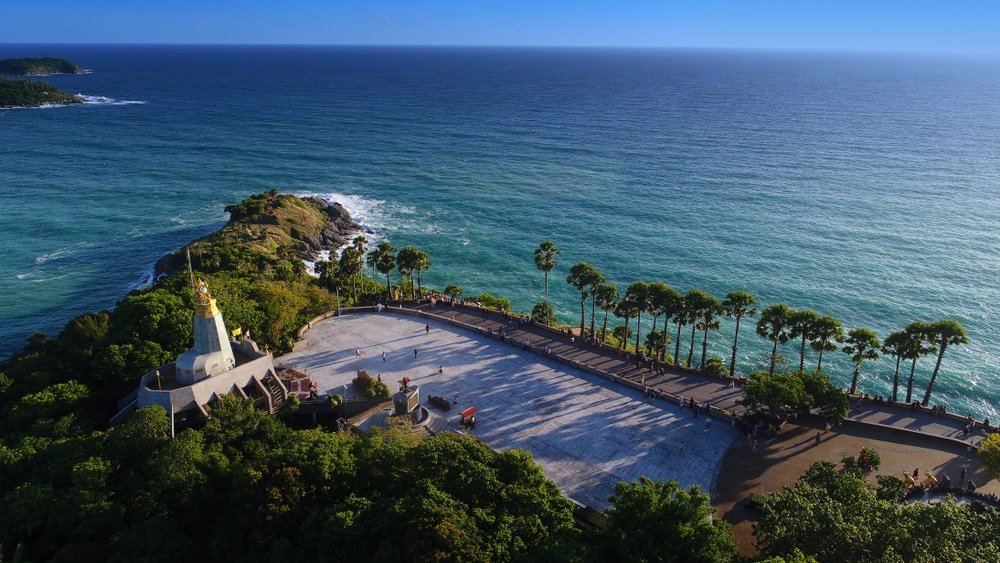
(676, 382)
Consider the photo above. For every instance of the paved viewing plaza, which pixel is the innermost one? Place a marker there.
(585, 431)
(589, 430)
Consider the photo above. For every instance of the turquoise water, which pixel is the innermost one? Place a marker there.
(862, 186)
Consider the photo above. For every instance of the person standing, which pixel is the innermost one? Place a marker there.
(383, 356)
(427, 329)
(414, 353)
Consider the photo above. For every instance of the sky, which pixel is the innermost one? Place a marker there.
(970, 26)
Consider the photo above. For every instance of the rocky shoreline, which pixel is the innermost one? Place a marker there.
(338, 229)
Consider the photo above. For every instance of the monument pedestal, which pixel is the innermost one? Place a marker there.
(407, 400)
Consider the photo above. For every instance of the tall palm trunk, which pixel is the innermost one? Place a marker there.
(732, 362)
(802, 354)
(583, 312)
(909, 383)
(388, 287)
(774, 356)
(546, 285)
(652, 350)
(895, 378)
(638, 319)
(704, 347)
(937, 365)
(420, 282)
(593, 313)
(694, 327)
(624, 341)
(604, 329)
(854, 380)
(677, 345)
(819, 364)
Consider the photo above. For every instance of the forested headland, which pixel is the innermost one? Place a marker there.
(34, 66)
(244, 486)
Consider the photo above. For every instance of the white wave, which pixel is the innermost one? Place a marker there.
(43, 280)
(369, 213)
(51, 255)
(24, 276)
(311, 264)
(145, 280)
(106, 101)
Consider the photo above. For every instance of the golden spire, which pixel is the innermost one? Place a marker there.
(204, 305)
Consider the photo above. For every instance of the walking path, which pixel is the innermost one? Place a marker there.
(676, 382)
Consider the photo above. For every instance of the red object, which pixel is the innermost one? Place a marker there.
(469, 412)
(313, 384)
(406, 380)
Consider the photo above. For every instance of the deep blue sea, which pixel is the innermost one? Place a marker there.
(865, 186)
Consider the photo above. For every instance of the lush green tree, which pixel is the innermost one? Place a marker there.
(917, 345)
(596, 283)
(826, 332)
(681, 316)
(422, 264)
(672, 303)
(385, 261)
(945, 332)
(542, 312)
(454, 290)
(626, 309)
(823, 395)
(659, 521)
(696, 303)
(861, 344)
(583, 277)
(658, 292)
(606, 294)
(657, 340)
(895, 345)
(350, 267)
(406, 263)
(638, 293)
(545, 260)
(710, 313)
(738, 304)
(774, 325)
(989, 452)
(802, 325)
(777, 392)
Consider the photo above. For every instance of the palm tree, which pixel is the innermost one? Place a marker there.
(626, 308)
(406, 263)
(709, 321)
(385, 261)
(826, 331)
(582, 276)
(801, 325)
(606, 294)
(862, 344)
(738, 304)
(695, 302)
(454, 290)
(895, 345)
(351, 265)
(657, 296)
(372, 260)
(422, 264)
(946, 332)
(596, 282)
(773, 325)
(639, 292)
(672, 302)
(681, 316)
(917, 345)
(545, 260)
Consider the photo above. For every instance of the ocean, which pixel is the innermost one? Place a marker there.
(864, 186)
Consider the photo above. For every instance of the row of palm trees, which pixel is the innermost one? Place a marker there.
(384, 258)
(778, 323)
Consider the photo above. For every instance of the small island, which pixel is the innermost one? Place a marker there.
(31, 93)
(38, 66)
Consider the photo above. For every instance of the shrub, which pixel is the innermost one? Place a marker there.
(377, 389)
(335, 399)
(869, 459)
(491, 302)
(715, 366)
(542, 312)
(363, 381)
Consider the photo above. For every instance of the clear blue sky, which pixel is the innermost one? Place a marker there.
(895, 25)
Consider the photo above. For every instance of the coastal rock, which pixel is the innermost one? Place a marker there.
(339, 229)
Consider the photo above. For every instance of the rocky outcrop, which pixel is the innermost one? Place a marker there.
(340, 229)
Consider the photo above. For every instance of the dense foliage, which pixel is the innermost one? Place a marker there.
(839, 516)
(31, 93)
(795, 393)
(37, 65)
